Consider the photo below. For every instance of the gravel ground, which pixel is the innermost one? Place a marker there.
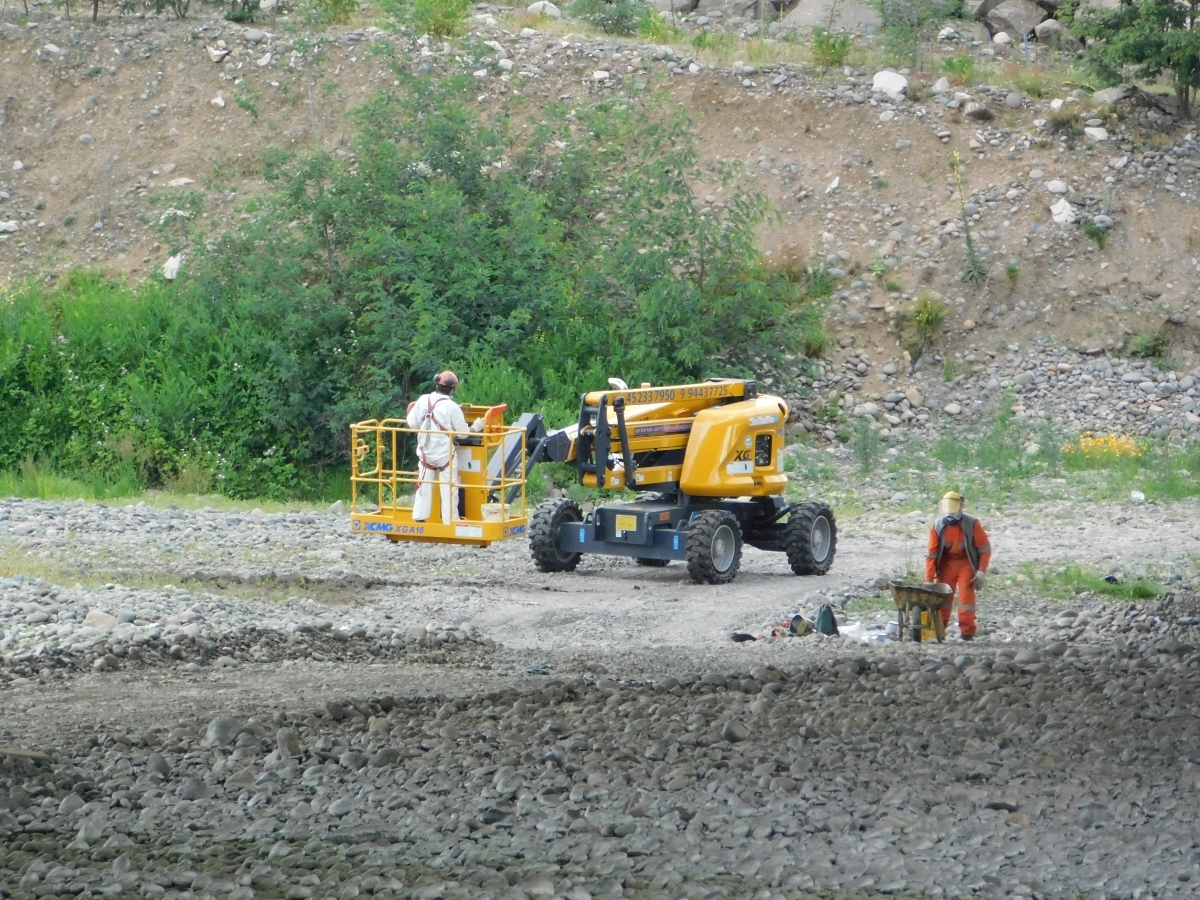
(304, 713)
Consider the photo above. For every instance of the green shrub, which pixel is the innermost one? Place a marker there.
(611, 16)
(1032, 83)
(830, 50)
(927, 318)
(866, 445)
(340, 300)
(959, 69)
(1095, 232)
(439, 18)
(242, 11)
(654, 28)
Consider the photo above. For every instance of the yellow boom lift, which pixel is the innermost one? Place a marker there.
(705, 460)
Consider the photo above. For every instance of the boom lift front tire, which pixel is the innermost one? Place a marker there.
(714, 547)
(543, 535)
(810, 539)
(652, 563)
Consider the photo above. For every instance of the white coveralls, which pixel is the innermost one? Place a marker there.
(437, 458)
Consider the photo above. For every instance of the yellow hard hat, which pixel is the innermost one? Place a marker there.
(953, 495)
(952, 503)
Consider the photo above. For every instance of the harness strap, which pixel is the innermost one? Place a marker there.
(426, 419)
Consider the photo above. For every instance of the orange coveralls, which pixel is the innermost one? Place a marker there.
(955, 570)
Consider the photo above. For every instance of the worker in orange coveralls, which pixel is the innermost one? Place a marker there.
(959, 553)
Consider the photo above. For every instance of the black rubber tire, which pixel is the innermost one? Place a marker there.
(549, 516)
(701, 564)
(798, 539)
(653, 563)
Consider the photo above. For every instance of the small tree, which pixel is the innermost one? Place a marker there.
(908, 24)
(1152, 36)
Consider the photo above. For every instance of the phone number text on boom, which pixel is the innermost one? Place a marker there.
(667, 395)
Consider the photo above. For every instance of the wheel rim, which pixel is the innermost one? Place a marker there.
(820, 539)
(724, 546)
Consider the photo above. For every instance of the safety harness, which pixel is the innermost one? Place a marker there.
(428, 417)
(968, 529)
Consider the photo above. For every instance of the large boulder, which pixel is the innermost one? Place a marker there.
(852, 16)
(1016, 18)
(746, 9)
(891, 83)
(1053, 34)
(978, 9)
(681, 7)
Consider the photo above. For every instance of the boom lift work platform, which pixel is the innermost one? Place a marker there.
(706, 461)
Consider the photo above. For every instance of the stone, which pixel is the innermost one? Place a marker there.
(1056, 186)
(599, 75)
(193, 789)
(1052, 33)
(1062, 212)
(734, 732)
(11, 227)
(978, 112)
(915, 400)
(1001, 38)
(891, 83)
(287, 741)
(1013, 100)
(341, 807)
(544, 8)
(263, 61)
(90, 831)
(217, 55)
(941, 86)
(221, 731)
(1109, 96)
(157, 764)
(170, 269)
(385, 756)
(70, 804)
(254, 36)
(218, 101)
(99, 619)
(853, 15)
(1014, 18)
(1096, 134)
(952, 409)
(85, 139)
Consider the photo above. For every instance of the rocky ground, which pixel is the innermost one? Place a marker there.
(307, 713)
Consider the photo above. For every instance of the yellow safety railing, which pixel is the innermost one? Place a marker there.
(489, 472)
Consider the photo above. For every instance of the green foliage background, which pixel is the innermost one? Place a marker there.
(536, 267)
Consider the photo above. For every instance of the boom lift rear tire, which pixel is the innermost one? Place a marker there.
(543, 535)
(652, 563)
(714, 547)
(810, 539)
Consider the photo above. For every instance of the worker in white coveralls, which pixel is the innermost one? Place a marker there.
(437, 416)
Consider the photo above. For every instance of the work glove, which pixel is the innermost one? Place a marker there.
(979, 579)
(477, 425)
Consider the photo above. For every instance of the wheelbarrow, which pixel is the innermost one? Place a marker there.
(919, 607)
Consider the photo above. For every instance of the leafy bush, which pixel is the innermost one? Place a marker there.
(242, 11)
(580, 257)
(1035, 84)
(654, 28)
(440, 18)
(830, 50)
(927, 317)
(611, 16)
(959, 69)
(1095, 232)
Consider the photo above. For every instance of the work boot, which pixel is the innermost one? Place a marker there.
(968, 637)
